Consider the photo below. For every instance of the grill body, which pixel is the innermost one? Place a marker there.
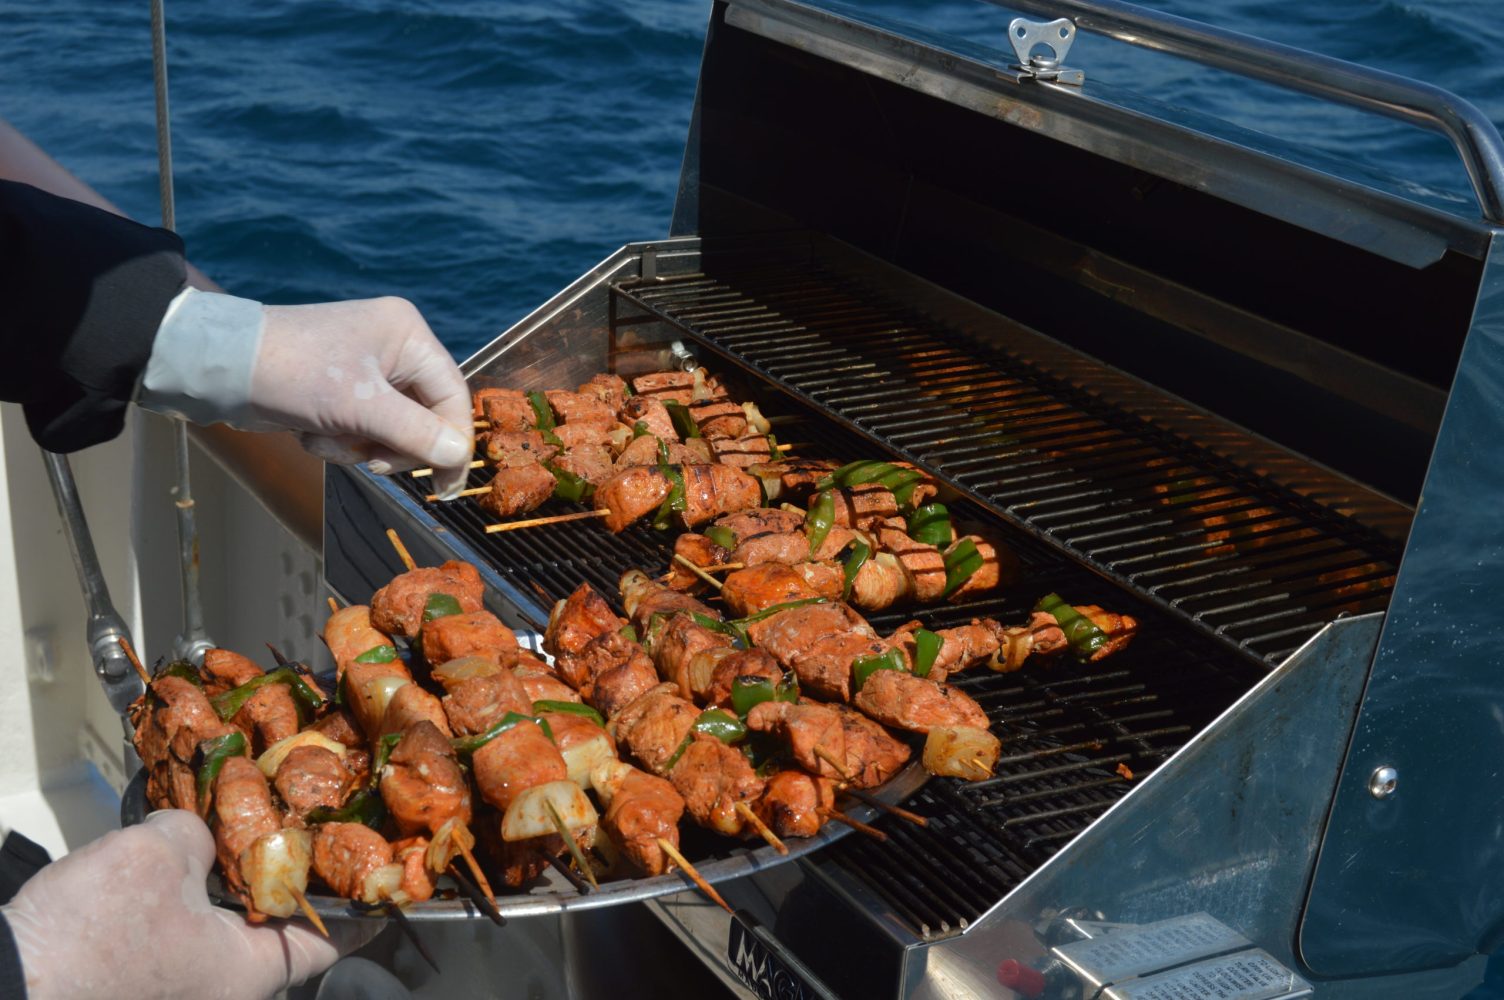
(1182, 374)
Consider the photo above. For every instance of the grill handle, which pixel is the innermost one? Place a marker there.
(1475, 138)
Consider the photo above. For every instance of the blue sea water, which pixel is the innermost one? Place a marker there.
(475, 156)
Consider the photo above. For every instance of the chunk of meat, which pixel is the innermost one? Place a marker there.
(516, 760)
(697, 549)
(507, 409)
(785, 634)
(1119, 629)
(652, 415)
(362, 680)
(268, 715)
(792, 801)
(713, 490)
(643, 808)
(541, 685)
(757, 588)
(824, 666)
(479, 396)
(243, 812)
(476, 704)
(793, 479)
(226, 669)
(680, 387)
(632, 493)
(474, 633)
(397, 608)
(961, 647)
(518, 490)
(589, 462)
(642, 598)
(422, 784)
(751, 663)
(644, 451)
(754, 521)
(825, 579)
(677, 643)
(712, 777)
(517, 449)
(903, 701)
(653, 727)
(608, 388)
(579, 437)
(417, 881)
(175, 717)
(785, 547)
(577, 620)
(817, 733)
(580, 408)
(410, 705)
(718, 418)
(340, 727)
(310, 777)
(863, 506)
(622, 683)
(880, 583)
(986, 576)
(744, 451)
(924, 564)
(346, 854)
(348, 633)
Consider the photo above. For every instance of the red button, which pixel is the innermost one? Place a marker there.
(1020, 978)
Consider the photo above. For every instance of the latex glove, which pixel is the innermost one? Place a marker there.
(361, 381)
(128, 916)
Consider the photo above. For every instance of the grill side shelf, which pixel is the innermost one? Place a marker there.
(1256, 564)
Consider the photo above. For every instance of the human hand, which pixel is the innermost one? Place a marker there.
(128, 915)
(361, 381)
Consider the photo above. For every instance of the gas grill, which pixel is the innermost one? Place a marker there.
(1179, 374)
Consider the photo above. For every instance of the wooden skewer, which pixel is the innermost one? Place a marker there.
(480, 876)
(746, 813)
(836, 765)
(570, 875)
(483, 903)
(395, 912)
(402, 553)
(474, 491)
(668, 848)
(877, 803)
(479, 463)
(717, 567)
(483, 425)
(538, 522)
(130, 654)
(307, 908)
(855, 824)
(574, 849)
(697, 571)
(981, 765)
(333, 605)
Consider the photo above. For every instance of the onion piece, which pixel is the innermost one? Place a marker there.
(376, 695)
(275, 865)
(756, 422)
(272, 757)
(961, 752)
(465, 667)
(606, 777)
(582, 756)
(528, 816)
(382, 884)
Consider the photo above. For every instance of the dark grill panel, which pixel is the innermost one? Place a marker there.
(1260, 560)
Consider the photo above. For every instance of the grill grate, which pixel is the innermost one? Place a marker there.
(1259, 565)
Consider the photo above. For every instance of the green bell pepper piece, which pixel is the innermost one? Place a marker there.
(930, 524)
(569, 708)
(215, 752)
(927, 647)
(865, 666)
(378, 654)
(960, 563)
(1080, 631)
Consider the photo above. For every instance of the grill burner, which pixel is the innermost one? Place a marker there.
(1258, 563)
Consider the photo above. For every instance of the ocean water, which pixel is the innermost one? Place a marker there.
(475, 156)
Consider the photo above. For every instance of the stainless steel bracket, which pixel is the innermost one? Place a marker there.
(1057, 35)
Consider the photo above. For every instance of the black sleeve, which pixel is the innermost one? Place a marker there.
(82, 293)
(12, 976)
(20, 859)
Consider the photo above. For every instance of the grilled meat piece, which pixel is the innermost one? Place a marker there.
(243, 812)
(924, 564)
(618, 685)
(1120, 629)
(867, 752)
(590, 462)
(508, 410)
(417, 881)
(346, 855)
(422, 783)
(580, 408)
(642, 598)
(986, 576)
(644, 451)
(517, 449)
(540, 683)
(608, 388)
(640, 809)
(697, 549)
(719, 418)
(757, 588)
(577, 620)
(863, 506)
(713, 490)
(577, 437)
(632, 493)
(962, 647)
(901, 700)
(784, 547)
(361, 681)
(752, 663)
(410, 705)
(652, 415)
(744, 451)
(478, 703)
(516, 760)
(479, 396)
(793, 479)
(680, 387)
(712, 777)
(348, 633)
(653, 727)
(518, 490)
(880, 583)
(818, 642)
(474, 633)
(268, 715)
(224, 670)
(676, 644)
(310, 777)
(754, 521)
(397, 608)
(791, 803)
(827, 580)
(173, 719)
(339, 726)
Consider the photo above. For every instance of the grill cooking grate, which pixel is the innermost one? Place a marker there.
(1258, 565)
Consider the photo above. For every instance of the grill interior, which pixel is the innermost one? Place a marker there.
(1231, 553)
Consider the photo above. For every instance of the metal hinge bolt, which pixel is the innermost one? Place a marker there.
(1056, 36)
(1383, 781)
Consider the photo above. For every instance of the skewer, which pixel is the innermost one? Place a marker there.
(717, 567)
(482, 425)
(130, 654)
(877, 803)
(580, 885)
(980, 765)
(537, 522)
(402, 553)
(333, 605)
(745, 812)
(697, 571)
(308, 910)
(395, 912)
(483, 903)
(474, 491)
(480, 876)
(479, 463)
(838, 767)
(668, 848)
(574, 849)
(855, 824)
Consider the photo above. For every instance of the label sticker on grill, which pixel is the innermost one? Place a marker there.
(763, 972)
(1248, 975)
(1137, 951)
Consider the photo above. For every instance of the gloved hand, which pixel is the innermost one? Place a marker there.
(361, 381)
(128, 916)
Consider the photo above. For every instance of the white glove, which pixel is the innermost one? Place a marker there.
(361, 381)
(128, 916)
